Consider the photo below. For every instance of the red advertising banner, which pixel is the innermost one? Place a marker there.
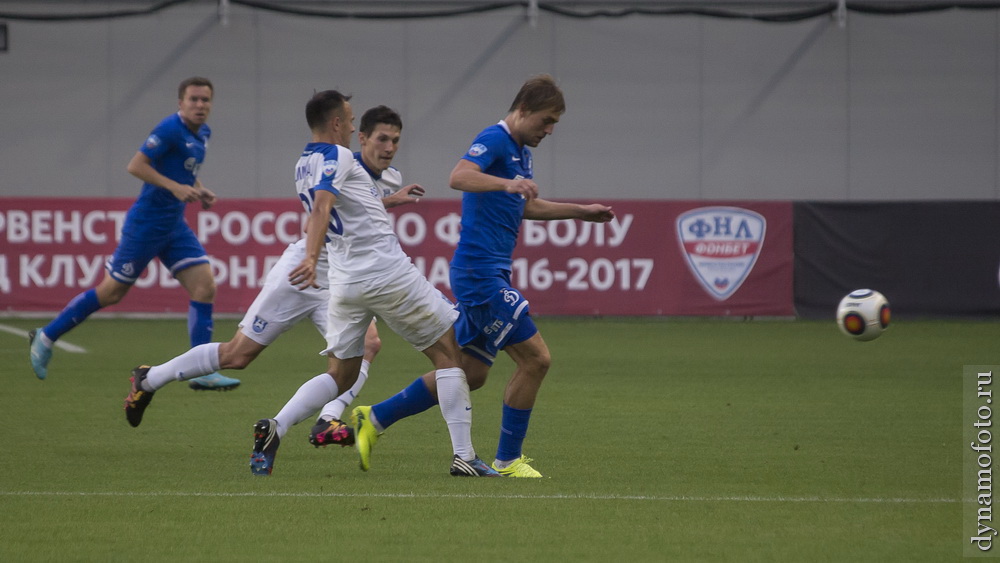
(655, 258)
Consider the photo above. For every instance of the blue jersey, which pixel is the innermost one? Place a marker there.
(154, 225)
(176, 152)
(493, 314)
(491, 220)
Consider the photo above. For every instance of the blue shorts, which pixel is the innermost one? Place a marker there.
(177, 250)
(492, 314)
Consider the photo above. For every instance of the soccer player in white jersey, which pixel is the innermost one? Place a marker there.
(369, 274)
(496, 175)
(279, 306)
(168, 164)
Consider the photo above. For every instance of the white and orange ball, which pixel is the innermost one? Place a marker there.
(863, 314)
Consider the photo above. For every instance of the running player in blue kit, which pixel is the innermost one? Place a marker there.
(168, 164)
(496, 176)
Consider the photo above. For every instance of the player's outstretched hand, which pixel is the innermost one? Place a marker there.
(409, 194)
(597, 213)
(304, 275)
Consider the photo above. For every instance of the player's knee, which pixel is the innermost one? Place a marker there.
(539, 364)
(204, 292)
(198, 282)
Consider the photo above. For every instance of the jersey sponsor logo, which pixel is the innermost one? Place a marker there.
(330, 167)
(721, 245)
(493, 327)
(152, 142)
(259, 324)
(477, 149)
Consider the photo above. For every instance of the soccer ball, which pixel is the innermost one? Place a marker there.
(863, 314)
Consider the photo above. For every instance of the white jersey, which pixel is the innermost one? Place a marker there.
(360, 241)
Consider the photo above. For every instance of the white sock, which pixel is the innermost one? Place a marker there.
(456, 408)
(198, 361)
(310, 397)
(374, 420)
(336, 407)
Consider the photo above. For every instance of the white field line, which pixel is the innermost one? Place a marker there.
(609, 497)
(59, 343)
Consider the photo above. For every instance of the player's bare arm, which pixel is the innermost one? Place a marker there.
(404, 196)
(142, 168)
(304, 275)
(468, 177)
(544, 210)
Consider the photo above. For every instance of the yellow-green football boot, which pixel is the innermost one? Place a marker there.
(518, 468)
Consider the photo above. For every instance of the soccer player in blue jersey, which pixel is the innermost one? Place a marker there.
(168, 164)
(499, 192)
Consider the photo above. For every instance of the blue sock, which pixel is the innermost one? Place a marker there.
(513, 429)
(199, 323)
(76, 311)
(415, 399)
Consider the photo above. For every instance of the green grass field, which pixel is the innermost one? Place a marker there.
(660, 440)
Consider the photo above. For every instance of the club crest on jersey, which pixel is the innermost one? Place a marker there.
(510, 296)
(152, 142)
(330, 167)
(259, 324)
(477, 149)
(721, 246)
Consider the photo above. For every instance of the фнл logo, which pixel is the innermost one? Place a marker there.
(721, 245)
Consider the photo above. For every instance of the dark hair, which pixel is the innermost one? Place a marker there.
(379, 114)
(539, 93)
(193, 81)
(321, 107)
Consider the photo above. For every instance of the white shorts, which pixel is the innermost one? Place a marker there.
(280, 305)
(405, 301)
